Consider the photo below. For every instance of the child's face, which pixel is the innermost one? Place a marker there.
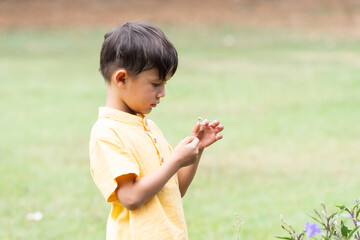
(143, 92)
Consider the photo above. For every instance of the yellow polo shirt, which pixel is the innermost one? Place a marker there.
(122, 143)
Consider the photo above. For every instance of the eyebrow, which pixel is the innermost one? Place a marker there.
(159, 80)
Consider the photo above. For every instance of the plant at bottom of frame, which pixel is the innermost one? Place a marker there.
(237, 226)
(343, 224)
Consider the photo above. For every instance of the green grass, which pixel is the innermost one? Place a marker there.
(289, 104)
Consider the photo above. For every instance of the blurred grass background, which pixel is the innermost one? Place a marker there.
(289, 102)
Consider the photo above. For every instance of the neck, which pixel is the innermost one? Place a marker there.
(114, 100)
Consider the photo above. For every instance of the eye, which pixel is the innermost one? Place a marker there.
(156, 84)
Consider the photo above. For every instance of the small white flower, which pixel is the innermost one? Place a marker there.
(36, 216)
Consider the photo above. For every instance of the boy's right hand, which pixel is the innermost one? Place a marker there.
(186, 152)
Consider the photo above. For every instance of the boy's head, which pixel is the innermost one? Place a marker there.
(137, 47)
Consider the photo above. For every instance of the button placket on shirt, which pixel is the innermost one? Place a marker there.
(155, 141)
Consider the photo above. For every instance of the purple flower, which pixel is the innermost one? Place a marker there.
(311, 229)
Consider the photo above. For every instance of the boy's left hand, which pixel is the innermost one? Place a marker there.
(207, 133)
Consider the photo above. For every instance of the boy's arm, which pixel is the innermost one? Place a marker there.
(133, 193)
(187, 174)
(207, 134)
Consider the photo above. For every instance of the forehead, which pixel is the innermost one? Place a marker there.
(153, 75)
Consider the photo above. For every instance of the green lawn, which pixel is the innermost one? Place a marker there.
(290, 104)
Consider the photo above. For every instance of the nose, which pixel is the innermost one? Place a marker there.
(161, 93)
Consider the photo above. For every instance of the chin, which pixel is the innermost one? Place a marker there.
(147, 111)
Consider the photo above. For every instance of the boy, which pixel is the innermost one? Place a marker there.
(131, 162)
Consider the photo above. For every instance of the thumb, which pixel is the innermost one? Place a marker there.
(187, 140)
(195, 141)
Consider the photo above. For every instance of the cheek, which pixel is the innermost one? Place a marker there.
(149, 93)
(146, 96)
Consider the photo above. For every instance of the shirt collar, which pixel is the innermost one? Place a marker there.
(124, 117)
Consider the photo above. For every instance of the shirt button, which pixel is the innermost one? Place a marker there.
(162, 159)
(155, 141)
(146, 123)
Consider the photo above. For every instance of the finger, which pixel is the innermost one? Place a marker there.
(202, 128)
(219, 128)
(215, 123)
(218, 137)
(196, 129)
(205, 123)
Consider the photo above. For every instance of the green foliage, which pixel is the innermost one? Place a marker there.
(342, 225)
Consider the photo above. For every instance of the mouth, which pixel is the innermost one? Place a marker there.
(154, 104)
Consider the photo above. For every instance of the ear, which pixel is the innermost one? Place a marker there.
(119, 77)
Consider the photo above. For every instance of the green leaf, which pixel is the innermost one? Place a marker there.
(341, 207)
(356, 205)
(344, 230)
(344, 208)
(323, 224)
(353, 231)
(285, 238)
(332, 215)
(348, 210)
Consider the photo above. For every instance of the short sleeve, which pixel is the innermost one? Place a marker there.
(109, 160)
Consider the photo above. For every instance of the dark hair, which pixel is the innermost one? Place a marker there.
(137, 47)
